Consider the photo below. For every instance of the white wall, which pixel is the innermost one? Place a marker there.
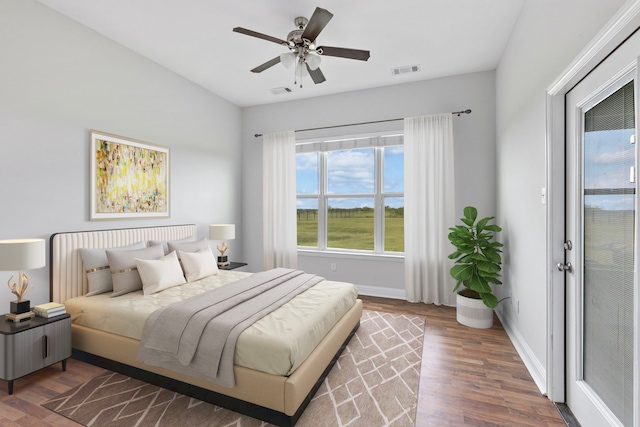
(474, 150)
(58, 80)
(547, 36)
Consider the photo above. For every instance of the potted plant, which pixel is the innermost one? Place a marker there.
(477, 266)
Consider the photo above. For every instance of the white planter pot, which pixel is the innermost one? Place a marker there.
(473, 313)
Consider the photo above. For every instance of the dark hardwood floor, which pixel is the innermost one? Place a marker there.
(470, 377)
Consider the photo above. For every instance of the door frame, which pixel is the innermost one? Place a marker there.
(624, 23)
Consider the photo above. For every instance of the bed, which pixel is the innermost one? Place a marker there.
(276, 394)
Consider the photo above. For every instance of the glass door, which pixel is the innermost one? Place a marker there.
(601, 226)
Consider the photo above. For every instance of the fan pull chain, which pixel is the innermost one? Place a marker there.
(299, 66)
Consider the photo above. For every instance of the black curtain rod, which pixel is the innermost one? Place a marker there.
(457, 113)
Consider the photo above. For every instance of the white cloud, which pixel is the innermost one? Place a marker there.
(351, 171)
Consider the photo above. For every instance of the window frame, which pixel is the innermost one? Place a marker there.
(379, 195)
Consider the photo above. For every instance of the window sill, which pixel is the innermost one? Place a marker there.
(351, 255)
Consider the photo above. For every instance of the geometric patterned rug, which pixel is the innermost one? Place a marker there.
(374, 383)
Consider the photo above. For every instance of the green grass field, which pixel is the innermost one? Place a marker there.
(352, 229)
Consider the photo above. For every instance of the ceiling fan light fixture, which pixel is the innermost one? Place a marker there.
(288, 59)
(313, 60)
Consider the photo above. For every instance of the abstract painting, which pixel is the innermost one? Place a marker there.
(129, 178)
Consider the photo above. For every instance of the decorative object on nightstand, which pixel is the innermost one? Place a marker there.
(21, 254)
(50, 309)
(222, 232)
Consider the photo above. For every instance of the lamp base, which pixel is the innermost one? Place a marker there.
(19, 307)
(223, 261)
(20, 318)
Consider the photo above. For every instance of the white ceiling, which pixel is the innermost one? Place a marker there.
(194, 39)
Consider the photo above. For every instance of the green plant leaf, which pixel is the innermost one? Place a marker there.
(468, 221)
(467, 258)
(482, 223)
(493, 256)
(462, 272)
(457, 286)
(471, 213)
(488, 267)
(489, 300)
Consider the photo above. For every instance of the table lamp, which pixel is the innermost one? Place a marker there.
(21, 254)
(222, 232)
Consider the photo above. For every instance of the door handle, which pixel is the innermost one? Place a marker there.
(564, 267)
(45, 346)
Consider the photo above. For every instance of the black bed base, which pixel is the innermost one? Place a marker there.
(231, 403)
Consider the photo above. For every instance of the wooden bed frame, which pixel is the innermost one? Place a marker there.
(276, 399)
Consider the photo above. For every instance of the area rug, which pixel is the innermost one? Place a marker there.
(374, 383)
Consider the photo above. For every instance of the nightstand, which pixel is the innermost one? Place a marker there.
(232, 265)
(33, 344)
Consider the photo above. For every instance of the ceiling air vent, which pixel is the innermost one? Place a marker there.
(405, 70)
(280, 90)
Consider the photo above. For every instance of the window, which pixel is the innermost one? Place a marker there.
(350, 194)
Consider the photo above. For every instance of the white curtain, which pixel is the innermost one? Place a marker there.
(429, 208)
(280, 242)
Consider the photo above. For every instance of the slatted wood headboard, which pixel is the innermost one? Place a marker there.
(67, 277)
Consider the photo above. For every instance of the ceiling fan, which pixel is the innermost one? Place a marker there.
(303, 52)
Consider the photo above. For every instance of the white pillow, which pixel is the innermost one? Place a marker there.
(160, 274)
(197, 265)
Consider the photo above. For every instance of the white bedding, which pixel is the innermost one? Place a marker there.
(276, 344)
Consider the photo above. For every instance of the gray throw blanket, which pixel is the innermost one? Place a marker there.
(198, 336)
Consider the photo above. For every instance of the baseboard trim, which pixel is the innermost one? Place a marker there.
(375, 291)
(535, 368)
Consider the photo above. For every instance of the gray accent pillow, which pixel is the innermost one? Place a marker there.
(124, 272)
(196, 246)
(96, 265)
(165, 246)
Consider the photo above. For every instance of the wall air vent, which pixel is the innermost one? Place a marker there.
(280, 90)
(405, 70)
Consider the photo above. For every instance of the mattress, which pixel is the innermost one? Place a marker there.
(276, 344)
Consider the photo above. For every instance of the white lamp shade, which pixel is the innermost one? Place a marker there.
(313, 61)
(222, 231)
(22, 254)
(288, 59)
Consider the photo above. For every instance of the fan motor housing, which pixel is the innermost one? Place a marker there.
(300, 22)
(295, 37)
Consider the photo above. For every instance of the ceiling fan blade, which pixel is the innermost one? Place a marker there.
(268, 64)
(361, 55)
(259, 35)
(316, 24)
(316, 75)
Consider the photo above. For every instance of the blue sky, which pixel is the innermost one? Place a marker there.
(350, 172)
